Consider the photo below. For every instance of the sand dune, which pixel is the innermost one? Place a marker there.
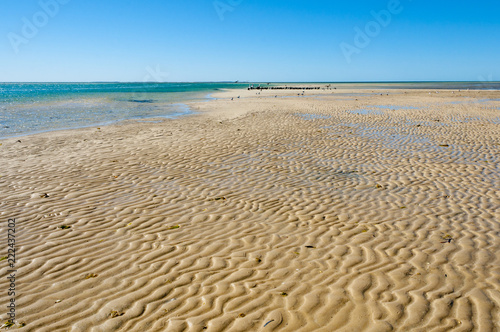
(337, 211)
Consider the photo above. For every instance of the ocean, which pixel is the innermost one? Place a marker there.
(28, 108)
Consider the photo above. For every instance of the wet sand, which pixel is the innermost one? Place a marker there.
(338, 210)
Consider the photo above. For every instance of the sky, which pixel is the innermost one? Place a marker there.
(249, 40)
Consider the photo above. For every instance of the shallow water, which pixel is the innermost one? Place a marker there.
(364, 111)
(28, 108)
(389, 136)
(396, 107)
(18, 120)
(478, 101)
(309, 117)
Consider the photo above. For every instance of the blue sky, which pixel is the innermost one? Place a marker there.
(249, 40)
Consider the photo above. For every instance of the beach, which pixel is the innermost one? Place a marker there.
(335, 210)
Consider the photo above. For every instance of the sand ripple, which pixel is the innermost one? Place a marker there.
(300, 215)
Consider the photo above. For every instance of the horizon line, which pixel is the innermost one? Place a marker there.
(254, 82)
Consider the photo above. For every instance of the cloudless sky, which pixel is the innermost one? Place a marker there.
(248, 40)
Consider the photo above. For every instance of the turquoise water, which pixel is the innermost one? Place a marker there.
(27, 108)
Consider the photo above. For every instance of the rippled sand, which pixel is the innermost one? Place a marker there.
(287, 213)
